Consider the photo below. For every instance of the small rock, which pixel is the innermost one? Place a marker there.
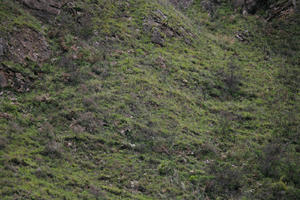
(132, 145)
(245, 13)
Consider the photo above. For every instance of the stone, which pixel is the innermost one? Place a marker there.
(48, 6)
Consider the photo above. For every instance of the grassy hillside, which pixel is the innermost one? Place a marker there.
(138, 99)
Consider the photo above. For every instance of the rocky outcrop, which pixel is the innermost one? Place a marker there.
(47, 6)
(45, 10)
(24, 45)
(273, 9)
(28, 44)
(281, 9)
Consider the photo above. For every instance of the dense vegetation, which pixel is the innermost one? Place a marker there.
(138, 99)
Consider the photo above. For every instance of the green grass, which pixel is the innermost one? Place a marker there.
(114, 116)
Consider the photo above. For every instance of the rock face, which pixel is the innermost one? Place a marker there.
(281, 9)
(27, 44)
(23, 45)
(48, 6)
(45, 10)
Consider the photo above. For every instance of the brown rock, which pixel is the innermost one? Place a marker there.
(28, 44)
(48, 6)
(3, 80)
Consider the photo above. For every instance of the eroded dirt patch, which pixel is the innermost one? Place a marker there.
(27, 44)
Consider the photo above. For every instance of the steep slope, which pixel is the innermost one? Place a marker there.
(136, 99)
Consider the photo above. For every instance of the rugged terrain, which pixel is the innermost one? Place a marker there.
(138, 99)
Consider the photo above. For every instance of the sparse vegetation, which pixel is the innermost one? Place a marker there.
(141, 99)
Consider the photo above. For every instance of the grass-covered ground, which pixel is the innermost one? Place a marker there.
(140, 100)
